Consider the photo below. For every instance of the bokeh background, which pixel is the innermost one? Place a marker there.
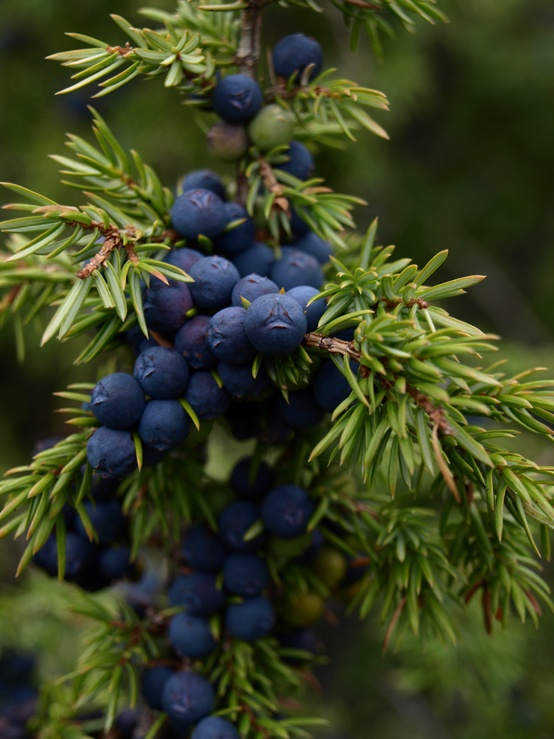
(469, 167)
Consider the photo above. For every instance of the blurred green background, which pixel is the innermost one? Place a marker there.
(469, 167)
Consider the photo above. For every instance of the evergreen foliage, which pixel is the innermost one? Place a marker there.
(408, 481)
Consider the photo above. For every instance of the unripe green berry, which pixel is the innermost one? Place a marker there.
(330, 566)
(302, 609)
(272, 127)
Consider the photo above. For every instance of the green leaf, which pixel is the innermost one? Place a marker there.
(68, 311)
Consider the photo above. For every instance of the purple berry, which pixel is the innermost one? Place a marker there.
(275, 324)
(198, 213)
(117, 401)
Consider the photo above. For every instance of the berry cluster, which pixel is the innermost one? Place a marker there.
(225, 592)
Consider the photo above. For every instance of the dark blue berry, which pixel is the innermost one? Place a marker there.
(117, 401)
(237, 98)
(296, 268)
(214, 727)
(313, 312)
(300, 162)
(245, 574)
(202, 549)
(162, 372)
(204, 179)
(183, 258)
(115, 563)
(312, 244)
(234, 522)
(187, 698)
(301, 410)
(251, 478)
(190, 635)
(163, 424)
(258, 258)
(166, 305)
(250, 620)
(239, 382)
(206, 398)
(198, 593)
(227, 338)
(112, 452)
(286, 511)
(152, 684)
(214, 280)
(198, 213)
(126, 722)
(190, 341)
(330, 386)
(238, 238)
(294, 53)
(298, 225)
(304, 639)
(275, 324)
(107, 520)
(251, 287)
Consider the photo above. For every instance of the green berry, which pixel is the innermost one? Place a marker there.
(272, 127)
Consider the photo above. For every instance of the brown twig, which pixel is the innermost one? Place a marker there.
(272, 184)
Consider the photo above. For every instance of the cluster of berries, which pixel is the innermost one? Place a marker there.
(239, 101)
(18, 694)
(226, 593)
(92, 565)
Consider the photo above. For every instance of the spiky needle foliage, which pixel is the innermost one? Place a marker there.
(436, 508)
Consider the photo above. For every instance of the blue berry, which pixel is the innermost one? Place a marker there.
(312, 244)
(112, 452)
(198, 213)
(214, 280)
(250, 620)
(240, 237)
(115, 563)
(258, 258)
(214, 727)
(286, 511)
(301, 411)
(117, 401)
(187, 698)
(234, 522)
(330, 386)
(293, 53)
(304, 639)
(251, 480)
(313, 312)
(190, 635)
(166, 305)
(152, 684)
(80, 556)
(252, 286)
(183, 258)
(163, 424)
(238, 381)
(161, 372)
(245, 574)
(300, 161)
(298, 225)
(204, 179)
(237, 98)
(202, 550)
(296, 268)
(206, 398)
(275, 324)
(198, 593)
(191, 342)
(227, 338)
(107, 519)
